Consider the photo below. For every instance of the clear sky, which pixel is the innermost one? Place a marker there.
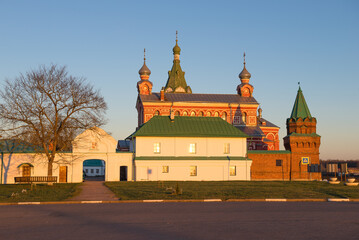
(286, 42)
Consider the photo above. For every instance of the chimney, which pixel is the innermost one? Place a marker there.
(162, 93)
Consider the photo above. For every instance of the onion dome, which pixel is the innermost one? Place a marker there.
(244, 74)
(176, 49)
(144, 71)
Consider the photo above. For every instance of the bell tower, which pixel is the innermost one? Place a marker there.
(303, 141)
(245, 89)
(144, 87)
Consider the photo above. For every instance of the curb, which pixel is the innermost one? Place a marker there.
(188, 200)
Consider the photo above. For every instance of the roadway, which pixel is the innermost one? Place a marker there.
(216, 220)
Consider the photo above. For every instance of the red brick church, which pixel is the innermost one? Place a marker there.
(240, 109)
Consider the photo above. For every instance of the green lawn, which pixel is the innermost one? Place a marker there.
(39, 193)
(230, 190)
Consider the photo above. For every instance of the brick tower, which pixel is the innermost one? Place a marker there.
(303, 141)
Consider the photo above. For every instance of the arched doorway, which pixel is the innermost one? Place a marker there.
(94, 170)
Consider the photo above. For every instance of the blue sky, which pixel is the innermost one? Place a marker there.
(286, 42)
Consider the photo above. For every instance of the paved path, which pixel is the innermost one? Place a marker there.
(94, 191)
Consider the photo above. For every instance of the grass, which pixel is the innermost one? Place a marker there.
(37, 193)
(230, 190)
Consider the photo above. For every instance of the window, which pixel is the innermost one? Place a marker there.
(156, 148)
(157, 113)
(192, 148)
(91, 170)
(232, 171)
(244, 117)
(193, 171)
(193, 114)
(200, 114)
(185, 113)
(224, 116)
(177, 113)
(165, 169)
(216, 114)
(227, 148)
(278, 163)
(86, 170)
(97, 170)
(208, 114)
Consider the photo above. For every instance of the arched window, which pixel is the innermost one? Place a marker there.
(216, 114)
(184, 113)
(224, 116)
(157, 113)
(25, 169)
(200, 114)
(177, 113)
(193, 114)
(208, 114)
(244, 117)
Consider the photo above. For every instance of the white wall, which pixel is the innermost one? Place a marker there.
(179, 170)
(179, 146)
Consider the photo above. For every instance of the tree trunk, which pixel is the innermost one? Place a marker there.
(49, 168)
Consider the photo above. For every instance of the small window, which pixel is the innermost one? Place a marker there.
(192, 148)
(91, 170)
(244, 117)
(208, 114)
(227, 149)
(193, 114)
(86, 170)
(177, 113)
(94, 145)
(278, 163)
(185, 113)
(224, 116)
(157, 113)
(97, 170)
(193, 171)
(232, 171)
(157, 148)
(165, 169)
(200, 114)
(216, 114)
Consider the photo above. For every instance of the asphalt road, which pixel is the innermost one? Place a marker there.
(219, 220)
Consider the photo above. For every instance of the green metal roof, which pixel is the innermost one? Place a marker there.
(93, 163)
(303, 134)
(16, 146)
(190, 158)
(300, 108)
(182, 126)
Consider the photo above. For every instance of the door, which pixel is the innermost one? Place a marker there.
(123, 173)
(63, 174)
(26, 171)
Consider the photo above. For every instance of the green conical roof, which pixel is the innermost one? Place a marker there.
(176, 81)
(300, 108)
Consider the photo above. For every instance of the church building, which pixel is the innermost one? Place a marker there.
(240, 109)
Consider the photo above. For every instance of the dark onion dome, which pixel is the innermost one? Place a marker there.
(244, 74)
(144, 70)
(176, 49)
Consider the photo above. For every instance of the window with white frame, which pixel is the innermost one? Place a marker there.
(165, 169)
(157, 148)
(232, 171)
(193, 171)
(192, 148)
(227, 148)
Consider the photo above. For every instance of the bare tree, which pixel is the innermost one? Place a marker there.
(48, 108)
